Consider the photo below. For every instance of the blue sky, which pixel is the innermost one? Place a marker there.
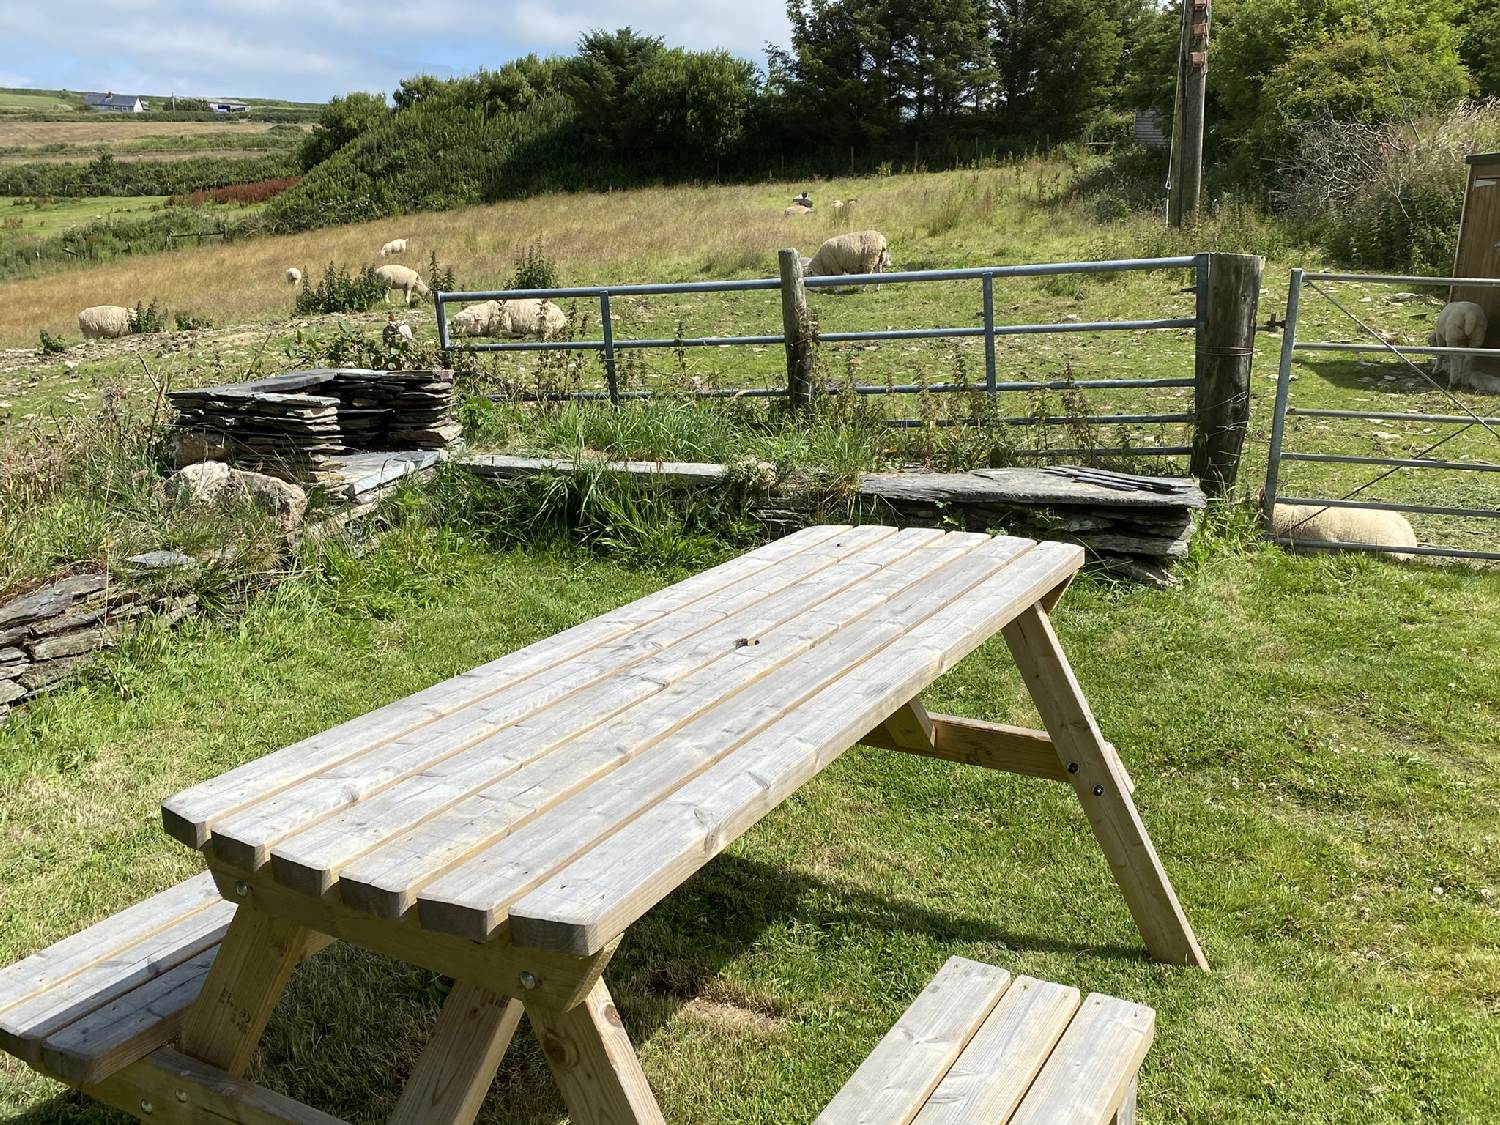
(309, 50)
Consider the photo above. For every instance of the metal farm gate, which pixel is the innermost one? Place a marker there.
(1449, 427)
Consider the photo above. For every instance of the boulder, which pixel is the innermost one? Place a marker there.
(215, 483)
(192, 447)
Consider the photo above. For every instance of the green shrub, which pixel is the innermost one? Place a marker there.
(191, 322)
(534, 270)
(147, 318)
(50, 344)
(337, 291)
(440, 278)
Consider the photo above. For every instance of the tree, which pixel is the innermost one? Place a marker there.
(598, 77)
(1479, 49)
(1058, 62)
(692, 105)
(835, 85)
(414, 89)
(342, 120)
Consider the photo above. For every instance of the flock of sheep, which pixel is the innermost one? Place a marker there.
(407, 280)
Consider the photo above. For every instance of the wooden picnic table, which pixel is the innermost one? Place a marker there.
(505, 827)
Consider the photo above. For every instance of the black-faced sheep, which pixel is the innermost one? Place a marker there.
(104, 322)
(403, 278)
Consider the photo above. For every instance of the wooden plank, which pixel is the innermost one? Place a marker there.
(183, 1091)
(895, 1080)
(224, 1025)
(1086, 1078)
(187, 815)
(1125, 1115)
(523, 770)
(1103, 789)
(558, 981)
(107, 939)
(471, 899)
(26, 1024)
(459, 1062)
(910, 728)
(577, 696)
(650, 749)
(995, 1070)
(974, 742)
(593, 1063)
(109, 1038)
(595, 897)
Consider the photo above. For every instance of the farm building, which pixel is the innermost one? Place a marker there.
(223, 105)
(1479, 248)
(1147, 129)
(115, 103)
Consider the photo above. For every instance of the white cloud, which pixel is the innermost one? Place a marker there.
(313, 49)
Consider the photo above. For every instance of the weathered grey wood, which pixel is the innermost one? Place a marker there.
(595, 897)
(1221, 388)
(895, 1080)
(1103, 788)
(506, 466)
(459, 1062)
(1125, 1115)
(649, 748)
(1033, 488)
(188, 815)
(796, 323)
(992, 1075)
(183, 1091)
(542, 757)
(1087, 1076)
(111, 1037)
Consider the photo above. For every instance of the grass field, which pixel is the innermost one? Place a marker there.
(1314, 742)
(38, 135)
(20, 216)
(18, 101)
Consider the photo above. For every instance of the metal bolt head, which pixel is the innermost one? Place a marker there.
(1072, 767)
(528, 980)
(181, 1094)
(242, 889)
(146, 1107)
(1098, 790)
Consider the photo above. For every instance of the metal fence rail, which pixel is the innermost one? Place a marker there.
(1282, 409)
(989, 331)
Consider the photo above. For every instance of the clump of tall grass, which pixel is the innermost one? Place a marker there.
(338, 291)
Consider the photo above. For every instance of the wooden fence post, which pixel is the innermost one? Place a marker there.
(1221, 370)
(796, 324)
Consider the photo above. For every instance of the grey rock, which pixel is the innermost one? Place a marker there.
(50, 600)
(69, 644)
(213, 483)
(43, 676)
(10, 691)
(162, 560)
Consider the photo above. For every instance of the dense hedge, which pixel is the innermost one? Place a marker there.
(108, 176)
(107, 238)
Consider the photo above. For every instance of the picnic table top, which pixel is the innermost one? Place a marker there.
(556, 794)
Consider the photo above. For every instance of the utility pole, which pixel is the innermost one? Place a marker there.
(1187, 116)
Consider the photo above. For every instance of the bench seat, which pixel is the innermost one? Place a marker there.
(109, 995)
(981, 1047)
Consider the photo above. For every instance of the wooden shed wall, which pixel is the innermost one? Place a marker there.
(1479, 246)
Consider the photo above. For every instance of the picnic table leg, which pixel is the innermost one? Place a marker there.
(1103, 787)
(459, 1063)
(594, 1064)
(253, 964)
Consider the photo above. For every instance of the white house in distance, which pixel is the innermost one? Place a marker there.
(114, 103)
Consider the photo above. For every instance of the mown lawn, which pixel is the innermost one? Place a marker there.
(1315, 744)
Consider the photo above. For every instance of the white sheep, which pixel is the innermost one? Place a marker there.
(795, 209)
(861, 252)
(1462, 324)
(481, 319)
(532, 316)
(104, 322)
(403, 278)
(293, 275)
(394, 246)
(1308, 524)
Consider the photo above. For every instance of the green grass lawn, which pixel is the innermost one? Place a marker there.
(21, 217)
(1314, 743)
(45, 101)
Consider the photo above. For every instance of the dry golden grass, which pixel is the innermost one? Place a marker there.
(81, 156)
(36, 134)
(654, 234)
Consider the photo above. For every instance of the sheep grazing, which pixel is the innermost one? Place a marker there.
(864, 251)
(394, 246)
(527, 317)
(403, 278)
(104, 322)
(293, 275)
(1462, 324)
(1307, 524)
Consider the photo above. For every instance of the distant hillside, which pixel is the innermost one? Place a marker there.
(53, 104)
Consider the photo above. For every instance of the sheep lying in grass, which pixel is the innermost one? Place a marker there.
(394, 246)
(1307, 524)
(529, 316)
(104, 322)
(796, 209)
(293, 275)
(1462, 324)
(403, 278)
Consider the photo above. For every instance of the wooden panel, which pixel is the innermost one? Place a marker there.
(910, 728)
(187, 815)
(593, 899)
(593, 1063)
(94, 1047)
(651, 750)
(183, 1091)
(459, 1062)
(519, 724)
(1103, 788)
(471, 898)
(996, 746)
(996, 1069)
(1086, 1078)
(522, 772)
(894, 1082)
(256, 960)
(1478, 253)
(112, 975)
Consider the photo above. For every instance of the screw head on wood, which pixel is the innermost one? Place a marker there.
(1098, 790)
(1072, 767)
(528, 980)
